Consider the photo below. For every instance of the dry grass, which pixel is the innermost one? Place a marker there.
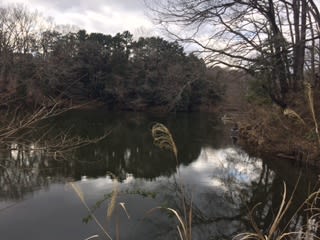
(258, 235)
(312, 109)
(92, 237)
(113, 201)
(291, 113)
(83, 201)
(308, 232)
(112, 206)
(184, 227)
(21, 125)
(163, 139)
(17, 120)
(293, 133)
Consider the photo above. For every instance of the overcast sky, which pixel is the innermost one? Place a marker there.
(105, 16)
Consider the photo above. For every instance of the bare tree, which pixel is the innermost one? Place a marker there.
(269, 37)
(18, 35)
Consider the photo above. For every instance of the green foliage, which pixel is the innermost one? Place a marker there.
(311, 136)
(257, 93)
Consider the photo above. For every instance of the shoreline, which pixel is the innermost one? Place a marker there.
(269, 132)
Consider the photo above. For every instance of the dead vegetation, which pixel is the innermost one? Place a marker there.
(22, 126)
(291, 133)
(308, 230)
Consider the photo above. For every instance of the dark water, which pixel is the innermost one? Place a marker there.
(220, 180)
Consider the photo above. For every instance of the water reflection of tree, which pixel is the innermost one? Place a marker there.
(271, 196)
(214, 208)
(128, 149)
(23, 170)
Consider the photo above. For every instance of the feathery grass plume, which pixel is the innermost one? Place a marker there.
(81, 196)
(291, 113)
(163, 138)
(311, 105)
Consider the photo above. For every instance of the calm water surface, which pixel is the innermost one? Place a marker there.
(221, 180)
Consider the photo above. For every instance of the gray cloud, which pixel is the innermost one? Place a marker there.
(107, 16)
(118, 5)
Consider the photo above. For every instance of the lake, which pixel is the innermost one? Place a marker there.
(44, 194)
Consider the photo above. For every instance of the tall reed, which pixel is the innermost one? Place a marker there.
(312, 109)
(163, 138)
(306, 232)
(83, 201)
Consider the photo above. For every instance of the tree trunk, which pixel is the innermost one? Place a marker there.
(300, 22)
(280, 56)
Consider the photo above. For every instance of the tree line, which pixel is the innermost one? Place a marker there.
(39, 63)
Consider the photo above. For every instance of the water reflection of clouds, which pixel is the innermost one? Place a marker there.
(217, 167)
(106, 184)
(222, 170)
(14, 151)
